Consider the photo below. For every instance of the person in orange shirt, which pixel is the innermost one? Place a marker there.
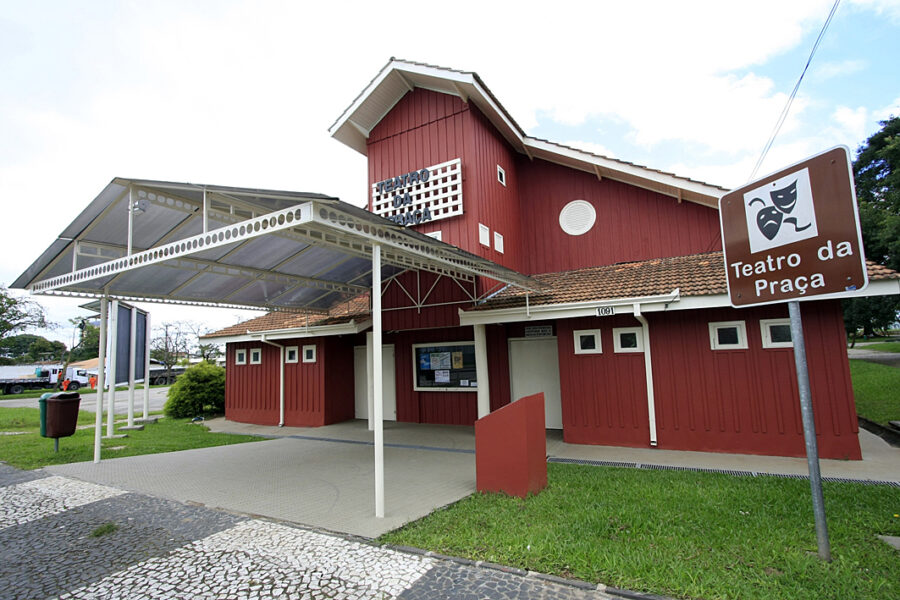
(93, 381)
(65, 384)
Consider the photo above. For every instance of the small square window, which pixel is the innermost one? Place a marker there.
(240, 356)
(628, 339)
(587, 341)
(498, 242)
(776, 333)
(309, 354)
(501, 175)
(291, 354)
(255, 356)
(484, 235)
(728, 335)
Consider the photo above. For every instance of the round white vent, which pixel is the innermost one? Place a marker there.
(577, 217)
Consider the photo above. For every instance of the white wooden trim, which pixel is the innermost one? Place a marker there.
(595, 333)
(287, 354)
(309, 353)
(258, 361)
(639, 337)
(240, 356)
(714, 338)
(766, 332)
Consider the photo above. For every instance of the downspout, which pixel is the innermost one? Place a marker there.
(648, 370)
(280, 379)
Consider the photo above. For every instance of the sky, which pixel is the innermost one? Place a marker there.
(242, 93)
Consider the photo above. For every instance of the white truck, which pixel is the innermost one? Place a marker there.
(45, 377)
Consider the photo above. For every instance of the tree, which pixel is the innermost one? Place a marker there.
(171, 346)
(43, 349)
(16, 346)
(876, 172)
(201, 390)
(18, 314)
(89, 347)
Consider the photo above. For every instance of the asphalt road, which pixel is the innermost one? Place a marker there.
(89, 401)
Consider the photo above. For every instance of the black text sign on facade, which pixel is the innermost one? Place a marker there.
(794, 235)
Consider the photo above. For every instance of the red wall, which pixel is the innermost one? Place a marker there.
(742, 401)
(632, 223)
(315, 394)
(400, 313)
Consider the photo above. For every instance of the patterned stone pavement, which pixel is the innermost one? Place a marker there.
(164, 549)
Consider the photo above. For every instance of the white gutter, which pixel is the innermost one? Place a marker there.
(545, 312)
(648, 371)
(350, 328)
(281, 378)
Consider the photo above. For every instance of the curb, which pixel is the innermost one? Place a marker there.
(572, 583)
(888, 435)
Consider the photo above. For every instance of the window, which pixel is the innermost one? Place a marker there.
(309, 353)
(728, 335)
(628, 339)
(501, 175)
(290, 354)
(587, 341)
(255, 356)
(484, 235)
(498, 242)
(240, 356)
(444, 367)
(435, 234)
(776, 333)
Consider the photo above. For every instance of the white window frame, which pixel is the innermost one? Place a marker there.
(579, 333)
(714, 338)
(639, 335)
(287, 354)
(258, 352)
(484, 235)
(312, 358)
(498, 242)
(240, 356)
(501, 175)
(765, 324)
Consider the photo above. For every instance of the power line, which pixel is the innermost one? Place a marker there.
(787, 107)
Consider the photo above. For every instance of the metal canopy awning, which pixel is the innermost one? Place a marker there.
(236, 247)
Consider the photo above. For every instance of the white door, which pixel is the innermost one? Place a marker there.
(533, 368)
(360, 383)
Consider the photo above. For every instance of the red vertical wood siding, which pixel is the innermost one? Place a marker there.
(445, 290)
(339, 390)
(746, 401)
(604, 396)
(251, 391)
(632, 223)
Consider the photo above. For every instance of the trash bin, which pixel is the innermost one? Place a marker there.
(59, 414)
(43, 404)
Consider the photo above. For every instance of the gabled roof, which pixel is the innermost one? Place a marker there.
(401, 76)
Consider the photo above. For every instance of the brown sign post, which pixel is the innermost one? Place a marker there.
(790, 236)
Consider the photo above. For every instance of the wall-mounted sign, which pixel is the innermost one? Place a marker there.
(606, 311)
(417, 197)
(538, 330)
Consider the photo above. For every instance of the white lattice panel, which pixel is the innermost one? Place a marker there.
(430, 194)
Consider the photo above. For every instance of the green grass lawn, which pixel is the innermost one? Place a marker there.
(31, 451)
(875, 388)
(883, 347)
(695, 535)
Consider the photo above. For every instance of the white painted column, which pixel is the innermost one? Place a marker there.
(132, 353)
(281, 387)
(648, 371)
(377, 379)
(146, 366)
(110, 403)
(101, 376)
(370, 382)
(481, 372)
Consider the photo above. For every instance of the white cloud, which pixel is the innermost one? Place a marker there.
(891, 110)
(829, 70)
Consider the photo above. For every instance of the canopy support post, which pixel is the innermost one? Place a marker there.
(132, 355)
(481, 372)
(101, 376)
(377, 378)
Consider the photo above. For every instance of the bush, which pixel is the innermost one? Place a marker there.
(200, 390)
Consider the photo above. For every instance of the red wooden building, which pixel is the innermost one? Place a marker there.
(631, 336)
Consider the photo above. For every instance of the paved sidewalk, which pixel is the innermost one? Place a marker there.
(164, 549)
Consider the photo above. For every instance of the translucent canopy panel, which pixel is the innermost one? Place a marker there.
(226, 246)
